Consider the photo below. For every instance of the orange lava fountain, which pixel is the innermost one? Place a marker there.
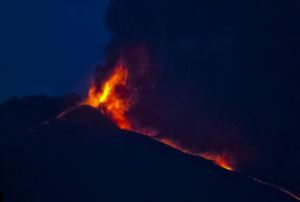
(112, 99)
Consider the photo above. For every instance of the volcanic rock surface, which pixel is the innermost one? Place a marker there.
(79, 155)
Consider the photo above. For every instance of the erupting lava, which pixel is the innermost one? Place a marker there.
(112, 98)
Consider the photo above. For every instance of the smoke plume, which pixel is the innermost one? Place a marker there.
(214, 76)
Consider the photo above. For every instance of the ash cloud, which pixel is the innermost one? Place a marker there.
(223, 76)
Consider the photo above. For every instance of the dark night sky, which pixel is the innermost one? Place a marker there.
(50, 46)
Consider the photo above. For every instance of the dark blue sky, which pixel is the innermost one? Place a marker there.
(50, 46)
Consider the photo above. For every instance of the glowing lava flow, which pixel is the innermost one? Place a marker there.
(293, 195)
(112, 98)
(218, 159)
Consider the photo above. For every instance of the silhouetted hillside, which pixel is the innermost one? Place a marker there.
(81, 156)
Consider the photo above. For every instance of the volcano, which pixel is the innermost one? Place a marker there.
(80, 155)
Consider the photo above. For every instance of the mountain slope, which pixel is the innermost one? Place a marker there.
(81, 156)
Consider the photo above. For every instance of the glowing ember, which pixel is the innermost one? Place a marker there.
(113, 98)
(219, 159)
(174, 145)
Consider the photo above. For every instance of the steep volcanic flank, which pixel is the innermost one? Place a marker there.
(215, 78)
(119, 97)
(82, 156)
(114, 99)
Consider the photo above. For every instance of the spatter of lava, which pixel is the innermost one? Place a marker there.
(112, 98)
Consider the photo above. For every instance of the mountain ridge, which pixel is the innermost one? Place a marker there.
(80, 155)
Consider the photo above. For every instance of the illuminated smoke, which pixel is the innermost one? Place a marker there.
(210, 80)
